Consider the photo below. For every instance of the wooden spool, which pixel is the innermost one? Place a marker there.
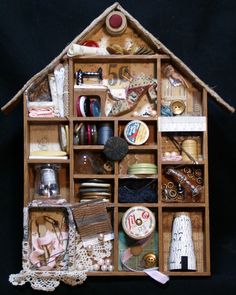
(190, 146)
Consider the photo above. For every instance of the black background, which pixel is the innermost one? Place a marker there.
(202, 34)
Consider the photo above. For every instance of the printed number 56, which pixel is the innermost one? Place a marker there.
(116, 74)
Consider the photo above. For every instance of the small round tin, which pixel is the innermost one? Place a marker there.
(138, 222)
(136, 132)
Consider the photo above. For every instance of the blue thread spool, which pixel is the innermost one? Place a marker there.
(105, 131)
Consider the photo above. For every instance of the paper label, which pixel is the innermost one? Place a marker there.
(182, 123)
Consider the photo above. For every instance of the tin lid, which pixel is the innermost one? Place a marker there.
(138, 222)
(136, 132)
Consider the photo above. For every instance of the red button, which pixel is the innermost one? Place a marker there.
(115, 21)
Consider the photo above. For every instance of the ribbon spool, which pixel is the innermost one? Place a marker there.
(138, 222)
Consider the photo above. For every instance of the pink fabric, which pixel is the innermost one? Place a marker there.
(47, 239)
(172, 158)
(47, 112)
(55, 247)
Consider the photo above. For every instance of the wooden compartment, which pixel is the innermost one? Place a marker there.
(63, 181)
(137, 191)
(116, 74)
(96, 93)
(182, 98)
(199, 237)
(90, 134)
(172, 144)
(189, 187)
(99, 191)
(137, 157)
(48, 239)
(92, 162)
(139, 248)
(48, 139)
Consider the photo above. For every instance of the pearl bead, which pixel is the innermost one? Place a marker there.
(110, 267)
(101, 237)
(100, 261)
(107, 261)
(167, 154)
(80, 266)
(96, 267)
(174, 154)
(104, 267)
(90, 268)
(89, 248)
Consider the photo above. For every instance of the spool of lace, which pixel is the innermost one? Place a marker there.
(182, 256)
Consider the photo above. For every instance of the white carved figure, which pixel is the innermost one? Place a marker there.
(182, 256)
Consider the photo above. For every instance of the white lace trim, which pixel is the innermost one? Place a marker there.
(47, 281)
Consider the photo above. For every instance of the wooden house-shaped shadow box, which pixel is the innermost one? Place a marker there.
(115, 160)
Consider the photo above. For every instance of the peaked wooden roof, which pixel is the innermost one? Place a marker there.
(147, 35)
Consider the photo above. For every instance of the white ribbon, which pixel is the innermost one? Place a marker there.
(76, 49)
(59, 73)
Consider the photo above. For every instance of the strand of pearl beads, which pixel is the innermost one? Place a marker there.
(104, 265)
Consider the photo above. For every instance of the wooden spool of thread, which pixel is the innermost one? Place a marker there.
(190, 146)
